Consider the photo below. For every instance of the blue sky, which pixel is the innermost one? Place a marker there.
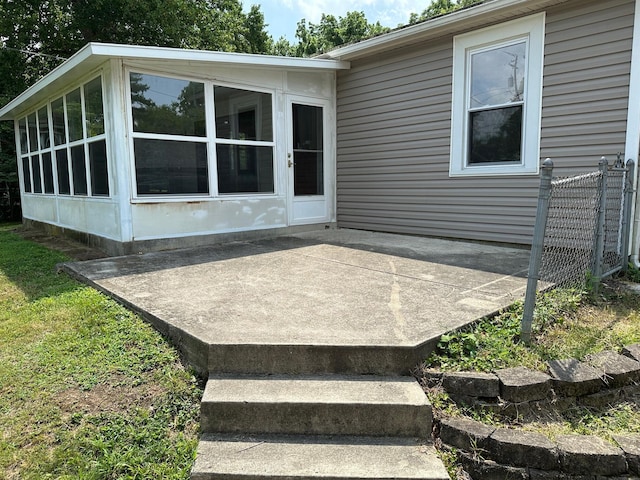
(283, 15)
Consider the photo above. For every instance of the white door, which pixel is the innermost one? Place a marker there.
(307, 161)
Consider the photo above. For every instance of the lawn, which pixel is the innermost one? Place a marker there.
(87, 389)
(568, 323)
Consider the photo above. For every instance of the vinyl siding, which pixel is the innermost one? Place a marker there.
(394, 114)
(586, 83)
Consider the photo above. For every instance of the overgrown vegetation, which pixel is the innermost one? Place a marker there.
(87, 389)
(567, 323)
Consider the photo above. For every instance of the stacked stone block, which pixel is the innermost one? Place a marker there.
(488, 453)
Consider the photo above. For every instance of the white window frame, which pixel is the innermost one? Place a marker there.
(531, 30)
(67, 145)
(210, 139)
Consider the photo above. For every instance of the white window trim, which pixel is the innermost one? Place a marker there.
(529, 28)
(210, 139)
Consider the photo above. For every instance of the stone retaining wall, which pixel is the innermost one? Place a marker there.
(488, 453)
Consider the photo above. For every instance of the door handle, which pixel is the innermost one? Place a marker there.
(290, 164)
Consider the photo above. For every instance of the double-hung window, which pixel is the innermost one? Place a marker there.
(497, 86)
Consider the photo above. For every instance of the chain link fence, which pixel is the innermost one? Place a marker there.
(582, 230)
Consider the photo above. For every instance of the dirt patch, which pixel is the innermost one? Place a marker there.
(108, 398)
(75, 250)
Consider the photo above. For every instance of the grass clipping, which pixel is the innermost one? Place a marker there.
(87, 389)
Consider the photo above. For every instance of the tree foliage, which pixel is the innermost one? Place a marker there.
(438, 8)
(331, 32)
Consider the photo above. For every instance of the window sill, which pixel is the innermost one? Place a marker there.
(495, 171)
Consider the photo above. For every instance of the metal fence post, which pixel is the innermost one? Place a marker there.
(537, 249)
(598, 252)
(626, 213)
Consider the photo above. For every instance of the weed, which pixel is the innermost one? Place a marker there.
(568, 324)
(632, 273)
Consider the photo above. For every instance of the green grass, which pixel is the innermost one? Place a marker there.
(567, 324)
(87, 389)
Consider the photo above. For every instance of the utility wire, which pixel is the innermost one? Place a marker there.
(57, 57)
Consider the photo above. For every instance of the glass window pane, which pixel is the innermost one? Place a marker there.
(244, 169)
(33, 132)
(43, 127)
(307, 127)
(24, 143)
(98, 168)
(93, 107)
(62, 163)
(243, 114)
(74, 115)
(26, 173)
(78, 170)
(167, 105)
(59, 129)
(308, 171)
(165, 167)
(495, 135)
(497, 75)
(35, 169)
(47, 172)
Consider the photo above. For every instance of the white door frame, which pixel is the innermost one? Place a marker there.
(310, 209)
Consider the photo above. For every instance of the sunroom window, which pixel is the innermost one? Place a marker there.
(183, 130)
(63, 145)
(169, 130)
(244, 136)
(497, 100)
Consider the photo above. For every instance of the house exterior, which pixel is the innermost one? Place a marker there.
(405, 106)
(434, 129)
(142, 148)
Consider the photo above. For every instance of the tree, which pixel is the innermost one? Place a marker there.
(331, 32)
(437, 8)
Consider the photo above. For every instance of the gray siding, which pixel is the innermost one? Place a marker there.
(586, 83)
(394, 115)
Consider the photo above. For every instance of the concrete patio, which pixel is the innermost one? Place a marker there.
(332, 300)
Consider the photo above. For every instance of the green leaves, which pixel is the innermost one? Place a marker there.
(332, 32)
(492, 343)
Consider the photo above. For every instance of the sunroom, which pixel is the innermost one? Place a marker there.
(144, 148)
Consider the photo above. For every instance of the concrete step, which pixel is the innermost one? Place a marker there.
(307, 457)
(316, 405)
(308, 359)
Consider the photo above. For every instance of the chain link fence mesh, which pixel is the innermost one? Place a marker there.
(613, 257)
(582, 230)
(567, 255)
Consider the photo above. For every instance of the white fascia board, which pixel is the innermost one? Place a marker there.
(94, 54)
(223, 58)
(82, 55)
(455, 22)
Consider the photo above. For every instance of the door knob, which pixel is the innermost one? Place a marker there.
(290, 163)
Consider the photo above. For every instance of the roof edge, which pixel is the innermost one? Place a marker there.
(429, 28)
(110, 50)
